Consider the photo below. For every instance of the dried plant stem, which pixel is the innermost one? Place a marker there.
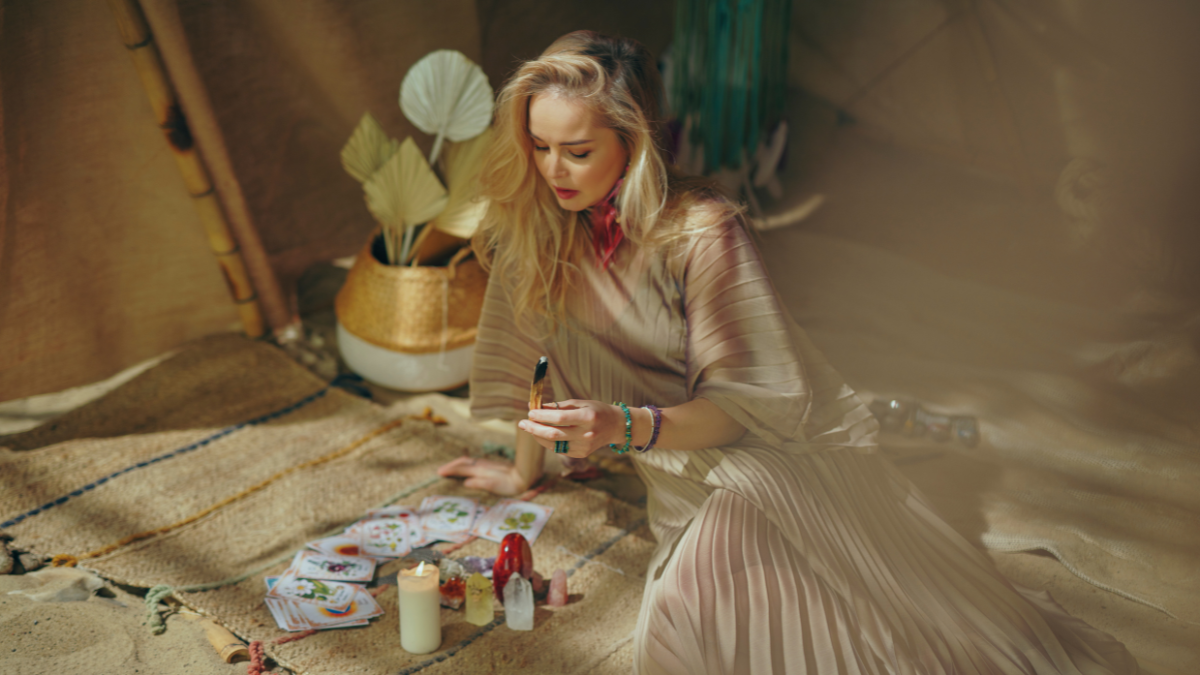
(415, 253)
(406, 246)
(135, 33)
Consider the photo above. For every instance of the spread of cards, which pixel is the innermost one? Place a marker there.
(325, 587)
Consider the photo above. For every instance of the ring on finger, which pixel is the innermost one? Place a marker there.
(562, 447)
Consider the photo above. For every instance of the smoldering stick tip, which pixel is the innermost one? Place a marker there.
(540, 372)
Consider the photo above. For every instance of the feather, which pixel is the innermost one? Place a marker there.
(447, 95)
(404, 193)
(368, 148)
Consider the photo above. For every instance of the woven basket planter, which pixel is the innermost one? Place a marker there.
(410, 328)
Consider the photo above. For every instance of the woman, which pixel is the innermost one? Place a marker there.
(786, 542)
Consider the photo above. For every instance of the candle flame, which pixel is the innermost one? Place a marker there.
(421, 568)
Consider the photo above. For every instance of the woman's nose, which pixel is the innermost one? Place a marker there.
(557, 166)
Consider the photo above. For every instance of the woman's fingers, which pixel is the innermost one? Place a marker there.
(546, 433)
(564, 413)
(463, 466)
(481, 483)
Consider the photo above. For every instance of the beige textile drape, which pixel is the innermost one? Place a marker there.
(103, 262)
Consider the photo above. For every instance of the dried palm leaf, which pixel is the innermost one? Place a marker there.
(402, 194)
(368, 148)
(445, 94)
(464, 209)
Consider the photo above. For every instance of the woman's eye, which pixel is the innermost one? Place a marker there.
(581, 155)
(540, 148)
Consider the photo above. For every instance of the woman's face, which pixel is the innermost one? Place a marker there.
(580, 160)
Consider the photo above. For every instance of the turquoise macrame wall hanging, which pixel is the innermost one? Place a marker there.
(727, 76)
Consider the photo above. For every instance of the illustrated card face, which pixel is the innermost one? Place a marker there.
(290, 616)
(483, 523)
(343, 545)
(334, 594)
(514, 515)
(416, 537)
(388, 537)
(312, 565)
(361, 608)
(462, 536)
(401, 512)
(276, 613)
(442, 516)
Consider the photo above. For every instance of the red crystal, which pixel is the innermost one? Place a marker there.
(454, 591)
(515, 557)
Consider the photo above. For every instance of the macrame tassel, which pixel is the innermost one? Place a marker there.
(256, 665)
(153, 618)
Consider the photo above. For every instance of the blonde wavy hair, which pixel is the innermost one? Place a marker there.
(536, 245)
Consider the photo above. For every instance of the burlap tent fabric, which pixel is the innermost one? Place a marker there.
(88, 190)
(103, 261)
(228, 413)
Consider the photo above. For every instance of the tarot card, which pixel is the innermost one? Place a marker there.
(447, 517)
(362, 608)
(354, 569)
(283, 617)
(284, 611)
(514, 515)
(401, 512)
(460, 537)
(290, 615)
(483, 523)
(334, 594)
(277, 613)
(387, 538)
(344, 545)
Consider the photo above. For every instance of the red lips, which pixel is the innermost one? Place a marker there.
(564, 193)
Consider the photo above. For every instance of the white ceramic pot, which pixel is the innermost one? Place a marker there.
(432, 371)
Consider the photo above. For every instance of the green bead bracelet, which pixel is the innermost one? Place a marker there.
(628, 430)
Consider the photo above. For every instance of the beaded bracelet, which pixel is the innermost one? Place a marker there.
(628, 430)
(657, 415)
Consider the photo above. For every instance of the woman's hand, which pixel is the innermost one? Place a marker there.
(501, 478)
(586, 425)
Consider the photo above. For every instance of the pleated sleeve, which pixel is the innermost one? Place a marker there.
(504, 360)
(740, 349)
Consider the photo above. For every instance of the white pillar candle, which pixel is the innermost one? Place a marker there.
(420, 609)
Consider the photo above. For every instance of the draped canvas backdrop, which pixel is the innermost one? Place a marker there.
(1008, 227)
(102, 261)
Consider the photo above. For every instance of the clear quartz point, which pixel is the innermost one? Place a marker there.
(518, 603)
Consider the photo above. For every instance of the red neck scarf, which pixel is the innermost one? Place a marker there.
(606, 227)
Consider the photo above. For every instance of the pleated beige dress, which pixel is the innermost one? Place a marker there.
(799, 549)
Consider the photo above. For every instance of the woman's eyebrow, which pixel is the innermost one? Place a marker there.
(534, 136)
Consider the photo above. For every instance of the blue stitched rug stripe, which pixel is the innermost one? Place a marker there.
(174, 453)
(496, 622)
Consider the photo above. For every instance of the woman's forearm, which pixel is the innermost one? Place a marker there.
(694, 425)
(529, 459)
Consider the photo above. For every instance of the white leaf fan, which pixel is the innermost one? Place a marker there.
(445, 94)
(367, 150)
(402, 194)
(464, 208)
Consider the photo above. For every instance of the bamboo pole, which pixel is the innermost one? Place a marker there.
(167, 26)
(135, 33)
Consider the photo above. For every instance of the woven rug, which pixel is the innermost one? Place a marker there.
(227, 414)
